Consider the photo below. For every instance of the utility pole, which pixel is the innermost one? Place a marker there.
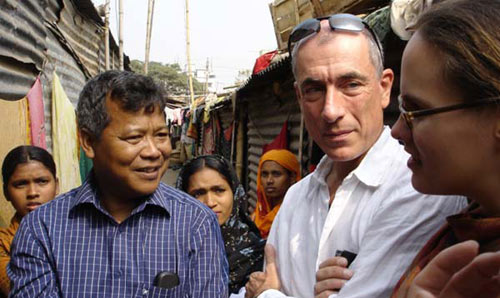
(149, 29)
(188, 54)
(206, 78)
(120, 32)
(106, 33)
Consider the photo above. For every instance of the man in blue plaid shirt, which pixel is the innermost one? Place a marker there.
(122, 233)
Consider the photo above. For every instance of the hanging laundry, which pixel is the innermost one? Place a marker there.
(14, 128)
(210, 101)
(177, 117)
(37, 115)
(224, 144)
(64, 138)
(192, 131)
(404, 14)
(209, 141)
(86, 165)
(228, 132)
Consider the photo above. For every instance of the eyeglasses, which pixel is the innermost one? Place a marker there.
(409, 116)
(341, 21)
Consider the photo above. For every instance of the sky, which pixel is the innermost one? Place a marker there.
(229, 33)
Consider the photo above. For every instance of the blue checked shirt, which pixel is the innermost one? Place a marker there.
(71, 247)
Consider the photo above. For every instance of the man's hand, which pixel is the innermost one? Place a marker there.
(269, 279)
(331, 276)
(457, 272)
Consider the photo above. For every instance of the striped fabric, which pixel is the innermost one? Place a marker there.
(71, 247)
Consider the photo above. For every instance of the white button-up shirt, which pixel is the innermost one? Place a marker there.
(376, 214)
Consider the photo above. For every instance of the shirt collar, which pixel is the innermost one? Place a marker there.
(377, 162)
(87, 194)
(374, 167)
(323, 169)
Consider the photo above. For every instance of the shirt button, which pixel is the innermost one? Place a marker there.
(144, 292)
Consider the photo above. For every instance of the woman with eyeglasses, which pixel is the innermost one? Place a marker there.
(450, 124)
(212, 180)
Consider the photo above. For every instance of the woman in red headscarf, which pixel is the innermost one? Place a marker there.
(278, 170)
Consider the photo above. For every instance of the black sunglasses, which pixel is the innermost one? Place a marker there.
(341, 21)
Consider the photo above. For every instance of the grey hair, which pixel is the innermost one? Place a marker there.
(375, 55)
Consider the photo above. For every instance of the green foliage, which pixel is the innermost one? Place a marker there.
(170, 76)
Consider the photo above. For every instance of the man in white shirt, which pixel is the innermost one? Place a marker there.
(360, 197)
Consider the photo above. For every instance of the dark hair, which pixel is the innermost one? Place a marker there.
(214, 162)
(133, 92)
(467, 35)
(25, 154)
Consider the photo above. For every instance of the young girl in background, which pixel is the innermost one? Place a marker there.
(29, 180)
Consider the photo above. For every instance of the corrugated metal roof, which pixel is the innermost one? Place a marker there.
(278, 70)
(24, 49)
(23, 31)
(87, 8)
(83, 36)
(43, 36)
(22, 46)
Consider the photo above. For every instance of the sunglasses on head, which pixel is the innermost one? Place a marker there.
(341, 21)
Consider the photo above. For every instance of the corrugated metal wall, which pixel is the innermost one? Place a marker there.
(83, 36)
(38, 37)
(22, 46)
(43, 36)
(268, 100)
(266, 116)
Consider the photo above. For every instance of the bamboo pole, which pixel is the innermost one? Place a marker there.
(149, 29)
(188, 55)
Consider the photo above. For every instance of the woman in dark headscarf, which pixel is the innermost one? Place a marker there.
(212, 180)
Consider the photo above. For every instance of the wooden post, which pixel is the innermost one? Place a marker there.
(188, 55)
(106, 34)
(120, 33)
(239, 146)
(149, 29)
(318, 9)
(301, 141)
(235, 121)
